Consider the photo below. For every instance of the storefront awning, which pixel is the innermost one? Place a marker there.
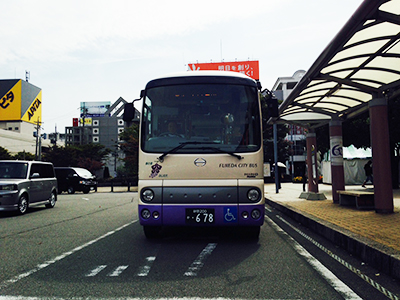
(361, 63)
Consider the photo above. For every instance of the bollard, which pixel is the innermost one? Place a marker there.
(112, 186)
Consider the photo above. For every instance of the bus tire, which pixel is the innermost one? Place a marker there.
(152, 232)
(251, 233)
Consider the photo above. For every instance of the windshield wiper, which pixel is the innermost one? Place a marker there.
(161, 158)
(222, 151)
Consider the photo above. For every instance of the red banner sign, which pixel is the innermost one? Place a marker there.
(249, 68)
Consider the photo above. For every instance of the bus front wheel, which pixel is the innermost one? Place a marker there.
(152, 232)
(251, 232)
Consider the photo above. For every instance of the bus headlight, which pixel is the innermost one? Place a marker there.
(255, 214)
(146, 214)
(253, 195)
(147, 195)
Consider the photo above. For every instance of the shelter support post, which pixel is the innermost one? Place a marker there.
(276, 168)
(337, 170)
(379, 127)
(312, 170)
(311, 141)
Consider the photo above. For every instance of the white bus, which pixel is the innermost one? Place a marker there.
(200, 152)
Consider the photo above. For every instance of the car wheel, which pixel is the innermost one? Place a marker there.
(86, 190)
(70, 190)
(52, 200)
(23, 204)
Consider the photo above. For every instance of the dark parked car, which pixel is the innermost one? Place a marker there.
(26, 183)
(75, 179)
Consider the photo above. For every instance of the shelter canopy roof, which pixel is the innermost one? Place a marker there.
(361, 63)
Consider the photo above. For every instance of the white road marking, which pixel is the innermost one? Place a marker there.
(118, 271)
(376, 285)
(196, 266)
(96, 271)
(144, 270)
(58, 258)
(121, 298)
(335, 282)
(87, 199)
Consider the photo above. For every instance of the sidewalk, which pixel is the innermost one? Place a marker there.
(375, 238)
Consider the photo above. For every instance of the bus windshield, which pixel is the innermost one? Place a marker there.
(201, 118)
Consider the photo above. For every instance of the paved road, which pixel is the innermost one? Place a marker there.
(91, 246)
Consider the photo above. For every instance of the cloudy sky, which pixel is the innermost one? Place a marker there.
(98, 50)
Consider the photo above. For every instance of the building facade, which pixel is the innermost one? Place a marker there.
(21, 117)
(103, 129)
(297, 135)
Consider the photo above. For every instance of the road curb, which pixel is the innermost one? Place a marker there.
(380, 257)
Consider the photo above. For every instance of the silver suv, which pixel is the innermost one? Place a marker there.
(26, 183)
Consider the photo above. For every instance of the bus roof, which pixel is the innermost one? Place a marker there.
(218, 77)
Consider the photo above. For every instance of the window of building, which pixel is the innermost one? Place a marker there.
(291, 85)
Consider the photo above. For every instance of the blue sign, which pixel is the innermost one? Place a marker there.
(230, 214)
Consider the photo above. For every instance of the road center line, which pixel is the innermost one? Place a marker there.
(60, 257)
(331, 278)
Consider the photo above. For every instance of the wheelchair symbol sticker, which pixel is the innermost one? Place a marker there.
(230, 214)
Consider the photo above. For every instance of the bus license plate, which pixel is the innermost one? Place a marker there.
(200, 215)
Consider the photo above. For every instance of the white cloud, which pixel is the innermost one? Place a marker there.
(48, 30)
(98, 50)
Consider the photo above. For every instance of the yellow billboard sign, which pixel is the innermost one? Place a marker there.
(10, 103)
(34, 111)
(87, 122)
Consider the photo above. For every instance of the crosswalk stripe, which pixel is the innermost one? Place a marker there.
(117, 271)
(145, 269)
(196, 266)
(96, 271)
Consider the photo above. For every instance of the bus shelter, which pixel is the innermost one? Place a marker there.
(359, 70)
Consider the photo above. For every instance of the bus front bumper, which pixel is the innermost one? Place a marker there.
(201, 215)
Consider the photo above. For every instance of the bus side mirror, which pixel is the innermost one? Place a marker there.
(129, 109)
(129, 112)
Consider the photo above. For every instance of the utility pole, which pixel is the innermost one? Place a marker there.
(38, 140)
(55, 135)
(83, 117)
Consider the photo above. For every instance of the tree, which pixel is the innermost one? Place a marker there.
(24, 156)
(268, 137)
(90, 156)
(4, 154)
(130, 147)
(61, 156)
